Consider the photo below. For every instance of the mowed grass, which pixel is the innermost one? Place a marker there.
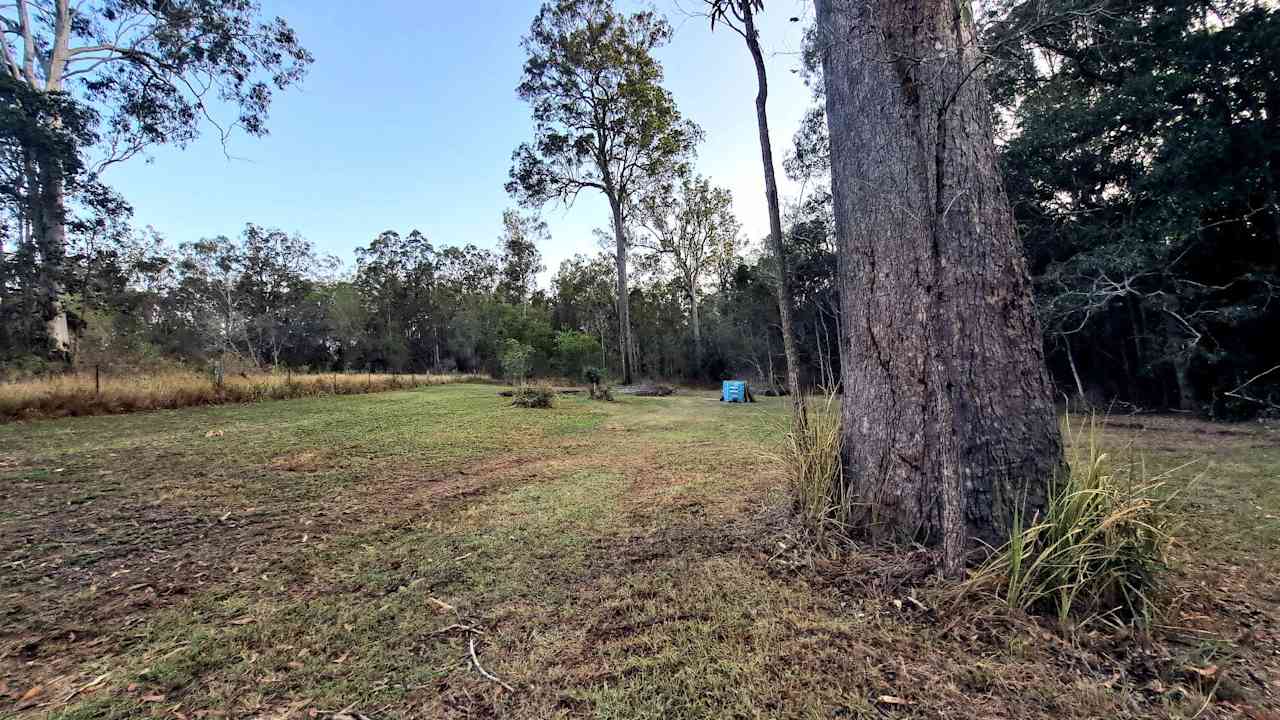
(306, 558)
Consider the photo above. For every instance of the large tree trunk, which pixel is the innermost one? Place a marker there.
(695, 324)
(775, 216)
(949, 426)
(624, 299)
(50, 228)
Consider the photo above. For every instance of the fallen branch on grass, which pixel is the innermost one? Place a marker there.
(559, 391)
(648, 390)
(458, 626)
(488, 675)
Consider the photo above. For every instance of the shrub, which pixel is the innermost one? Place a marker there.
(534, 396)
(596, 389)
(1101, 549)
(810, 457)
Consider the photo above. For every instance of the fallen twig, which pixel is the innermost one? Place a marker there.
(95, 683)
(459, 626)
(488, 675)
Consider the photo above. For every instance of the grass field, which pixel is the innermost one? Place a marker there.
(359, 555)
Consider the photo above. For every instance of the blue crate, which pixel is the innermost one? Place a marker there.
(733, 391)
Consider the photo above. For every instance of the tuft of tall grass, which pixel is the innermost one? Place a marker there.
(1101, 548)
(810, 456)
(78, 394)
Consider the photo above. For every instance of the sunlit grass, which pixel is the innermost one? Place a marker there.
(84, 394)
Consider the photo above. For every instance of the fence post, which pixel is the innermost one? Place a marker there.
(97, 379)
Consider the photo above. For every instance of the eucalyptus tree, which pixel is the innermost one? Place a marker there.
(521, 260)
(740, 16)
(949, 429)
(277, 275)
(690, 221)
(602, 120)
(155, 71)
(582, 297)
(465, 277)
(397, 275)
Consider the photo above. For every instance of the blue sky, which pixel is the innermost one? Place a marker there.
(409, 115)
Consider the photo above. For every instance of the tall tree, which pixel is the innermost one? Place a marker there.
(397, 274)
(521, 260)
(151, 67)
(740, 16)
(949, 426)
(276, 276)
(602, 120)
(690, 221)
(50, 131)
(583, 297)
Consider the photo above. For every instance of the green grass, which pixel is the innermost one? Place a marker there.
(617, 560)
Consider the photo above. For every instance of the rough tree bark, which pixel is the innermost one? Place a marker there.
(50, 226)
(949, 426)
(775, 214)
(695, 324)
(624, 298)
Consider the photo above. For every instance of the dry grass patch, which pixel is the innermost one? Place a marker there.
(79, 394)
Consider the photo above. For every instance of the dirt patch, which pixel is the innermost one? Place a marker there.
(307, 461)
(1178, 432)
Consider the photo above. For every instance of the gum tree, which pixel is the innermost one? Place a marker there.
(521, 259)
(949, 429)
(602, 120)
(690, 221)
(157, 72)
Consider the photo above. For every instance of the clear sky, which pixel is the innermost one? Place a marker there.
(408, 117)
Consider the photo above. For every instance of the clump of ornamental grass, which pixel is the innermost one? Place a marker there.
(1100, 550)
(810, 457)
(539, 395)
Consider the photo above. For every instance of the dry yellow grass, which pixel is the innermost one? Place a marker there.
(78, 394)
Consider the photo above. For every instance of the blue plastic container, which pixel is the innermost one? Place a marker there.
(733, 391)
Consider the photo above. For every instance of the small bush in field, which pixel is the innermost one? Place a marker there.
(597, 390)
(534, 396)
